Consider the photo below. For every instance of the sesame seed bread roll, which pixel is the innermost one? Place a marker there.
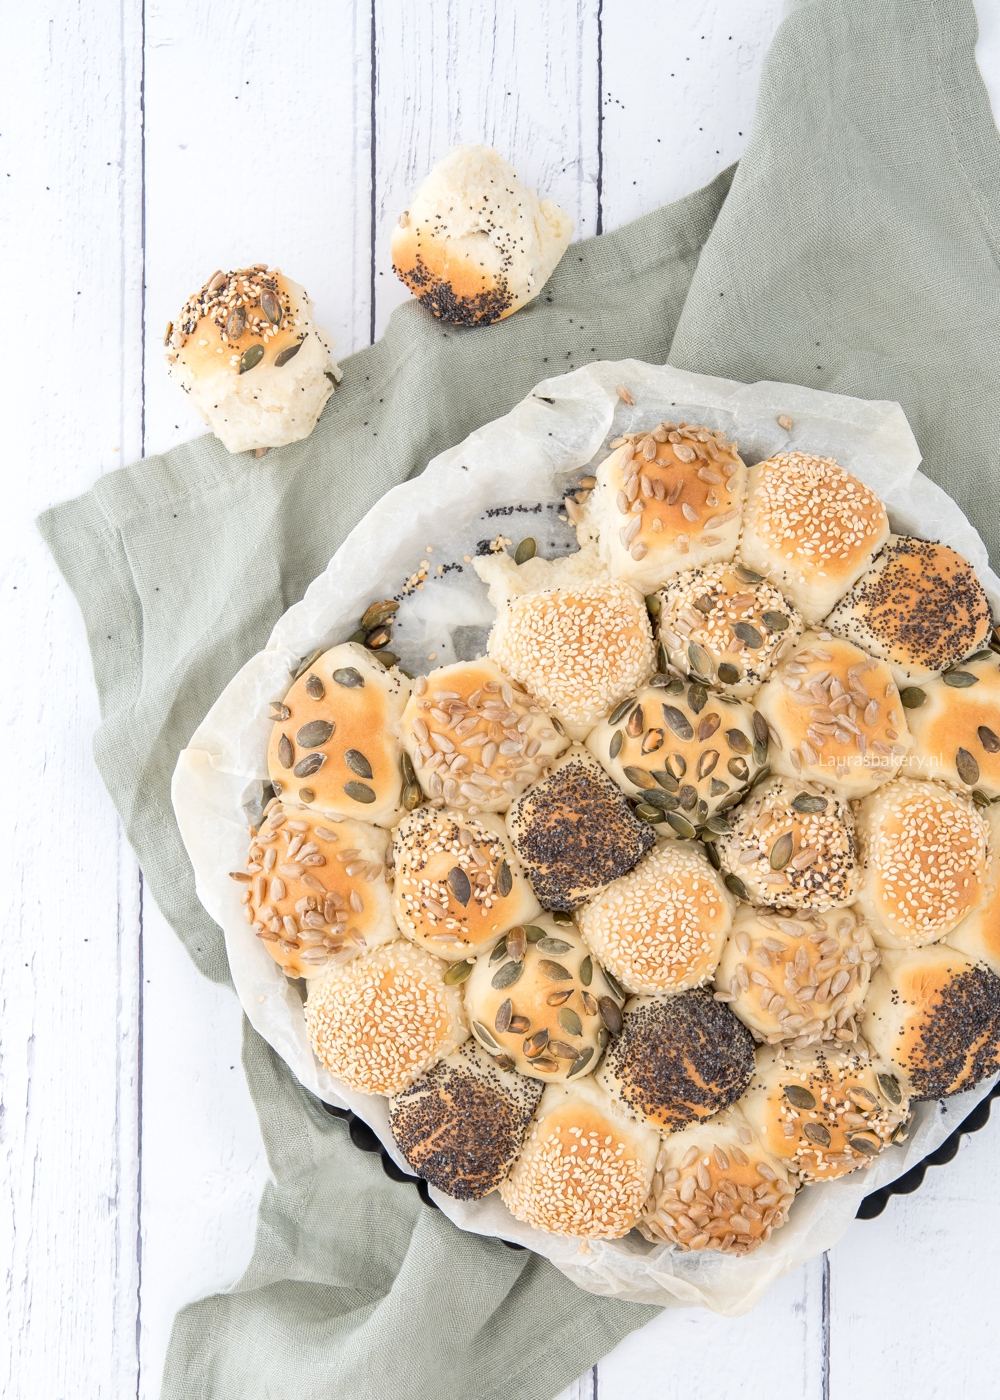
(797, 978)
(919, 606)
(461, 1124)
(255, 364)
(458, 883)
(682, 751)
(335, 746)
(811, 528)
(836, 715)
(661, 927)
(716, 1187)
(574, 833)
(726, 625)
(475, 738)
(315, 890)
(978, 934)
(541, 1004)
(381, 1021)
(923, 853)
(678, 1059)
(955, 723)
(585, 1168)
(476, 244)
(824, 1112)
(580, 650)
(792, 844)
(934, 1013)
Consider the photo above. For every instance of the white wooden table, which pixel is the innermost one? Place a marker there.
(144, 145)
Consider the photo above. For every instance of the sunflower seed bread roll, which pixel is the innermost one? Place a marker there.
(335, 745)
(978, 935)
(955, 723)
(585, 1168)
(541, 1004)
(811, 527)
(476, 244)
(476, 738)
(315, 890)
(252, 359)
(923, 855)
(919, 606)
(457, 882)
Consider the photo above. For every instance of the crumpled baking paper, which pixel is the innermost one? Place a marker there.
(508, 480)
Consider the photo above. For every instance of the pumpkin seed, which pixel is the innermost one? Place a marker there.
(979, 798)
(717, 787)
(603, 1038)
(589, 1004)
(503, 1062)
(729, 674)
(358, 636)
(868, 1143)
(678, 721)
(676, 767)
(656, 798)
(357, 763)
(781, 851)
(611, 1015)
(236, 323)
(738, 741)
(799, 1097)
(315, 688)
(616, 987)
(525, 551)
(314, 734)
(378, 637)
(563, 1051)
(458, 972)
(278, 710)
(635, 723)
(570, 1021)
(271, 309)
(615, 747)
(719, 824)
(697, 698)
(736, 886)
(504, 1013)
(386, 658)
(407, 765)
(286, 754)
(708, 726)
(517, 942)
(307, 661)
(505, 880)
(621, 710)
(485, 1036)
(459, 884)
(411, 796)
(989, 740)
(749, 635)
(289, 353)
(713, 854)
(707, 761)
(557, 998)
(704, 604)
(639, 776)
(647, 813)
(306, 795)
(747, 575)
(738, 768)
(251, 358)
(581, 1062)
(759, 778)
(507, 976)
(587, 971)
(759, 752)
(777, 621)
(533, 933)
(806, 802)
(359, 792)
(818, 1133)
(687, 796)
(349, 677)
(554, 945)
(499, 950)
(661, 657)
(912, 697)
(309, 765)
(889, 1085)
(170, 331)
(666, 780)
(554, 971)
(654, 605)
(961, 680)
(536, 1043)
(520, 1025)
(968, 768)
(699, 659)
(681, 825)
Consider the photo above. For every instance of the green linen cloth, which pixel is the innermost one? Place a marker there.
(856, 251)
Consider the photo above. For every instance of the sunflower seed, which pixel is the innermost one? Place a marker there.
(621, 710)
(503, 1016)
(309, 765)
(799, 1097)
(611, 1015)
(236, 323)
(615, 747)
(315, 734)
(348, 676)
(285, 355)
(507, 976)
(359, 792)
(968, 768)
(570, 1021)
(961, 680)
(286, 754)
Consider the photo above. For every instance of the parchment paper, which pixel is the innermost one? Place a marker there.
(508, 479)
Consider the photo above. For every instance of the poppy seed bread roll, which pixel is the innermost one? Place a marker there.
(252, 359)
(955, 723)
(978, 935)
(585, 1168)
(335, 742)
(919, 606)
(811, 528)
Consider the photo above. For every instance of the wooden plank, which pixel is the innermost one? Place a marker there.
(522, 78)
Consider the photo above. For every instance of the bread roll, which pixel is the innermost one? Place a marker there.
(315, 891)
(935, 1014)
(585, 1168)
(922, 851)
(678, 1059)
(475, 244)
(811, 528)
(335, 743)
(918, 606)
(461, 1124)
(716, 1187)
(665, 501)
(837, 715)
(797, 978)
(978, 934)
(955, 723)
(458, 883)
(475, 738)
(255, 364)
(381, 1021)
(792, 844)
(540, 1002)
(726, 625)
(574, 832)
(682, 751)
(661, 927)
(824, 1112)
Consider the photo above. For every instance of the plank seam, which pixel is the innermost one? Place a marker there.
(825, 1311)
(374, 70)
(600, 137)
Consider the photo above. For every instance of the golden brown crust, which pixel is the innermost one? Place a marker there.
(448, 280)
(234, 313)
(956, 728)
(978, 934)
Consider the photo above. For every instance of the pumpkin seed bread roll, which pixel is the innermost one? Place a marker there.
(314, 890)
(923, 854)
(978, 934)
(682, 751)
(727, 626)
(934, 1013)
(824, 1112)
(797, 978)
(665, 501)
(380, 1022)
(811, 528)
(679, 1059)
(335, 746)
(461, 1124)
(252, 359)
(661, 927)
(457, 883)
(791, 844)
(955, 723)
(835, 717)
(585, 1168)
(574, 833)
(541, 1004)
(919, 606)
(716, 1187)
(475, 738)
(476, 244)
